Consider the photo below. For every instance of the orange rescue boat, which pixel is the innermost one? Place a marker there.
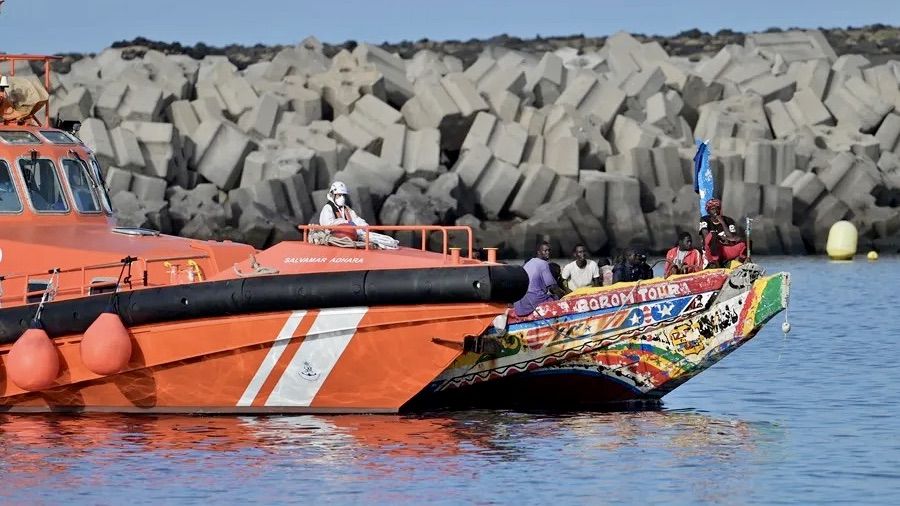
(99, 318)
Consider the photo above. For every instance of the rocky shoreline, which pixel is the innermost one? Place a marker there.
(878, 43)
(574, 138)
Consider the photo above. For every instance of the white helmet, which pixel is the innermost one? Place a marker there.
(338, 188)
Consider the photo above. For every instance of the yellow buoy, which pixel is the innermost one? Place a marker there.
(841, 243)
(873, 255)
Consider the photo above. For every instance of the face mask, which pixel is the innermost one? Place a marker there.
(340, 200)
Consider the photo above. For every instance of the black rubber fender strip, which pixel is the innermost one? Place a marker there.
(483, 283)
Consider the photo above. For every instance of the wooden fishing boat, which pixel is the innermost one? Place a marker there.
(99, 318)
(601, 346)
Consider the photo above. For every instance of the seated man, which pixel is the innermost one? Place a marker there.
(337, 211)
(683, 258)
(632, 267)
(582, 272)
(721, 244)
(542, 285)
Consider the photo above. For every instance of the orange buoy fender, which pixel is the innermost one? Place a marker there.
(106, 346)
(33, 362)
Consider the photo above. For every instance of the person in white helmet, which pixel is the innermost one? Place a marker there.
(4, 87)
(337, 211)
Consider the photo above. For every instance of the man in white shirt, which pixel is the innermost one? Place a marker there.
(582, 272)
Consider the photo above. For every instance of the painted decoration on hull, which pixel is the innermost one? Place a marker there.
(294, 370)
(626, 294)
(768, 297)
(577, 328)
(648, 347)
(653, 363)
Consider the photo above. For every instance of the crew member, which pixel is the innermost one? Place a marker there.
(721, 244)
(581, 272)
(683, 258)
(5, 104)
(542, 286)
(337, 211)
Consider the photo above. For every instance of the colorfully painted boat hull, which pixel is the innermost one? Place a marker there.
(631, 342)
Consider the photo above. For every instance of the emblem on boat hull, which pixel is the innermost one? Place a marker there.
(308, 373)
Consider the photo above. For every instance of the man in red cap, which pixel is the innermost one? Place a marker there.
(721, 244)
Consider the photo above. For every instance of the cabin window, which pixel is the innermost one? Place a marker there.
(103, 190)
(9, 197)
(84, 189)
(42, 184)
(57, 137)
(18, 137)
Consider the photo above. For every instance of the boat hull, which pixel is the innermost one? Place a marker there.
(637, 351)
(335, 360)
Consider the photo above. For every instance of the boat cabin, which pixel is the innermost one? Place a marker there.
(47, 172)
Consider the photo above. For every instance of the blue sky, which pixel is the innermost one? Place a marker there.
(50, 26)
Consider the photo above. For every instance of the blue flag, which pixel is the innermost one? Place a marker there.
(703, 178)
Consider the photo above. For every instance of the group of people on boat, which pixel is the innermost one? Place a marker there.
(721, 246)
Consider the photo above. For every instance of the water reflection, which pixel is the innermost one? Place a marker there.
(410, 436)
(345, 453)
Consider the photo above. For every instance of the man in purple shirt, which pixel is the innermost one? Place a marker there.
(542, 285)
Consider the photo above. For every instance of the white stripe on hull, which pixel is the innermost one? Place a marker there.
(309, 368)
(268, 363)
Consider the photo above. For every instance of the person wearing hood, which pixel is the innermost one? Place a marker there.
(337, 211)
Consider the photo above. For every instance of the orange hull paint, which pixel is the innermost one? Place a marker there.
(210, 365)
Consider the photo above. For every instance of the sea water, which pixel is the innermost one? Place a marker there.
(812, 417)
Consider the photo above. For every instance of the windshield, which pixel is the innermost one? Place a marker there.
(58, 137)
(43, 186)
(85, 193)
(18, 137)
(101, 189)
(9, 197)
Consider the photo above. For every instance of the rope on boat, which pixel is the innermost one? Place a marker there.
(324, 238)
(258, 270)
(48, 295)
